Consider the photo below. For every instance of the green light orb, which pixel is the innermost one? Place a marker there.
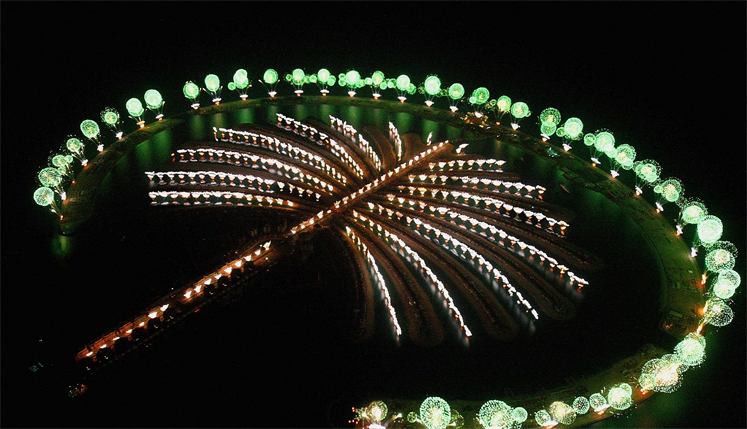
(648, 170)
(69, 159)
(50, 176)
(241, 79)
(723, 291)
(520, 110)
(693, 211)
(647, 381)
(432, 85)
(435, 413)
(562, 413)
(110, 116)
(597, 401)
(212, 83)
(495, 414)
(134, 107)
(368, 81)
(60, 161)
(625, 156)
(619, 397)
(717, 313)
(472, 100)
(191, 90)
(729, 277)
(603, 141)
(503, 103)
(323, 75)
(589, 139)
(89, 128)
(390, 83)
(412, 417)
(74, 145)
(691, 350)
(377, 411)
(519, 414)
(352, 77)
(548, 128)
(231, 86)
(403, 82)
(573, 128)
(581, 405)
(542, 417)
(560, 131)
(153, 99)
(331, 81)
(721, 256)
(270, 76)
(342, 81)
(481, 95)
(44, 196)
(377, 77)
(412, 89)
(456, 91)
(550, 115)
(672, 189)
(710, 229)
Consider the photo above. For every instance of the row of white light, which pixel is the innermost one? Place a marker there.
(475, 182)
(492, 204)
(199, 178)
(337, 150)
(469, 223)
(165, 198)
(373, 266)
(353, 134)
(419, 263)
(451, 244)
(283, 148)
(460, 164)
(281, 168)
(394, 135)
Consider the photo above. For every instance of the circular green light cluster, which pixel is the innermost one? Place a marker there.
(710, 229)
(435, 413)
(135, 107)
(495, 414)
(547, 129)
(377, 411)
(481, 95)
(403, 82)
(432, 85)
(619, 396)
(581, 405)
(110, 116)
(597, 401)
(412, 417)
(663, 374)
(693, 210)
(270, 76)
(648, 170)
(562, 413)
(74, 145)
(61, 161)
(519, 110)
(352, 78)
(519, 414)
(191, 90)
(717, 312)
(721, 256)
(503, 103)
(726, 284)
(550, 115)
(542, 417)
(589, 139)
(671, 189)
(241, 79)
(212, 83)
(323, 76)
(50, 177)
(573, 128)
(377, 78)
(604, 141)
(297, 76)
(691, 350)
(456, 91)
(625, 156)
(231, 86)
(44, 196)
(153, 99)
(560, 131)
(89, 128)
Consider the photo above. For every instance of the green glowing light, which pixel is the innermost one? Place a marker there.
(377, 77)
(691, 350)
(730, 278)
(573, 128)
(60, 161)
(503, 103)
(495, 414)
(721, 256)
(435, 413)
(520, 110)
(390, 83)
(412, 417)
(542, 417)
(50, 176)
(647, 381)
(672, 189)
(212, 83)
(717, 313)
(412, 89)
(456, 91)
(377, 411)
(548, 129)
(619, 397)
(89, 128)
(472, 100)
(648, 170)
(69, 159)
(710, 229)
(481, 95)
(562, 413)
(403, 82)
(74, 145)
(519, 414)
(331, 81)
(352, 77)
(241, 79)
(693, 210)
(432, 85)
(581, 405)
(134, 107)
(270, 76)
(44, 196)
(368, 81)
(723, 291)
(597, 401)
(191, 90)
(231, 86)
(323, 75)
(550, 115)
(110, 116)
(625, 156)
(560, 131)
(665, 374)
(153, 99)
(589, 139)
(603, 141)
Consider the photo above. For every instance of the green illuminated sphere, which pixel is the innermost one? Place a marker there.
(495, 414)
(589, 139)
(472, 100)
(550, 115)
(390, 83)
(693, 211)
(231, 86)
(191, 90)
(691, 350)
(352, 77)
(323, 75)
(573, 128)
(377, 411)
(723, 291)
(721, 256)
(611, 152)
(331, 81)
(69, 159)
(519, 414)
(520, 110)
(542, 417)
(597, 401)
(89, 128)
(581, 405)
(342, 81)
(729, 277)
(44, 196)
(560, 131)
(503, 103)
(648, 170)
(432, 85)
(241, 79)
(110, 116)
(377, 77)
(672, 189)
(212, 83)
(50, 176)
(647, 381)
(717, 312)
(403, 82)
(368, 81)
(456, 91)
(604, 140)
(547, 129)
(710, 229)
(153, 99)
(412, 89)
(134, 107)
(435, 413)
(619, 397)
(625, 156)
(74, 145)
(562, 413)
(60, 161)
(412, 417)
(270, 76)
(481, 95)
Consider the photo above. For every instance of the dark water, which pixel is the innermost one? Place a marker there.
(276, 353)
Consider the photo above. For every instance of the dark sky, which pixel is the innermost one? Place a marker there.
(668, 78)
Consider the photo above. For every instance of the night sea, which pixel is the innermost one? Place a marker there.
(280, 352)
